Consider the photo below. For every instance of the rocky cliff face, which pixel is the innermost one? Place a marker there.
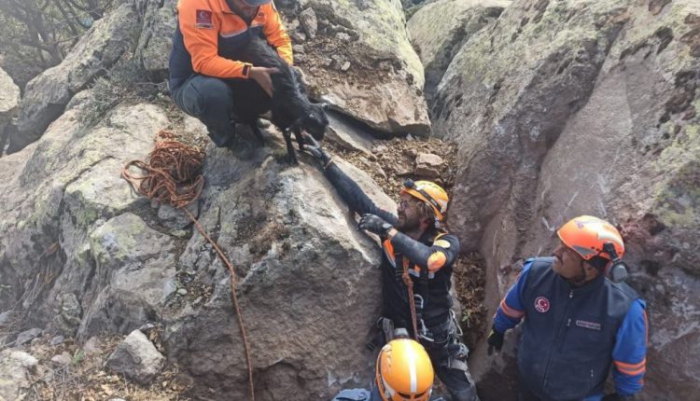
(597, 116)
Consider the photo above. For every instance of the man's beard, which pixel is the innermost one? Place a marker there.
(405, 225)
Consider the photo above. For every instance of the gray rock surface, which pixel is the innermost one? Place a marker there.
(15, 370)
(343, 133)
(291, 242)
(9, 94)
(68, 183)
(67, 320)
(440, 29)
(428, 165)
(27, 336)
(382, 85)
(309, 22)
(9, 99)
(155, 40)
(137, 358)
(47, 95)
(139, 264)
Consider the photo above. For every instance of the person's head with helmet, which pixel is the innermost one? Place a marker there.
(422, 206)
(404, 371)
(246, 8)
(589, 247)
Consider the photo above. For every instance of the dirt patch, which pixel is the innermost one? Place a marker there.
(84, 379)
(469, 280)
(393, 161)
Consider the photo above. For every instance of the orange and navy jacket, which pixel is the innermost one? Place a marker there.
(209, 34)
(429, 262)
(571, 335)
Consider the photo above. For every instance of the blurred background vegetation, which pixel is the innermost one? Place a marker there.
(37, 34)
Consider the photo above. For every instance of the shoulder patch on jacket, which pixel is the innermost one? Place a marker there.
(204, 20)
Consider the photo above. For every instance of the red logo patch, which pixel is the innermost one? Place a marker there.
(204, 19)
(541, 304)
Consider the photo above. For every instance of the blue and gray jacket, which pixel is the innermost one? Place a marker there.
(572, 335)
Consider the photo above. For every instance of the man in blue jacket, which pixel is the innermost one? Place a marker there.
(578, 323)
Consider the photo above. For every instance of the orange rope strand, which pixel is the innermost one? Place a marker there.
(411, 301)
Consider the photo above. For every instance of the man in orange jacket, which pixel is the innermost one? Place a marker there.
(206, 81)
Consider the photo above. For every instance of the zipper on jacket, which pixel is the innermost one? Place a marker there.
(563, 338)
(557, 340)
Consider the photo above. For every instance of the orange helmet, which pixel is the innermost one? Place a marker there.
(430, 193)
(587, 235)
(404, 371)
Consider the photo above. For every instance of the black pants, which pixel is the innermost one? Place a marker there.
(526, 395)
(456, 380)
(216, 102)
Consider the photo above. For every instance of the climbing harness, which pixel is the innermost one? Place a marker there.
(173, 176)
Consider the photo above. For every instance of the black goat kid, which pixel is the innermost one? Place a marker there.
(290, 106)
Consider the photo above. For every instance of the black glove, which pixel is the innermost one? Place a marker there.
(315, 149)
(495, 340)
(618, 397)
(374, 224)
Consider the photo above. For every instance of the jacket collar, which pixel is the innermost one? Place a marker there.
(587, 288)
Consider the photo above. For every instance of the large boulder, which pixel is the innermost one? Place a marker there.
(16, 369)
(598, 116)
(362, 63)
(135, 265)
(159, 23)
(54, 194)
(307, 285)
(9, 98)
(137, 358)
(84, 255)
(458, 21)
(47, 95)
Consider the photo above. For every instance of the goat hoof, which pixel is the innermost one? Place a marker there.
(292, 159)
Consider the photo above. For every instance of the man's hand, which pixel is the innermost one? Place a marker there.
(495, 340)
(618, 397)
(315, 148)
(374, 224)
(261, 75)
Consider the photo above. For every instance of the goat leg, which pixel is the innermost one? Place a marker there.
(299, 138)
(291, 153)
(258, 134)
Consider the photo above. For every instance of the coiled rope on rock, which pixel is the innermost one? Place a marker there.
(173, 175)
